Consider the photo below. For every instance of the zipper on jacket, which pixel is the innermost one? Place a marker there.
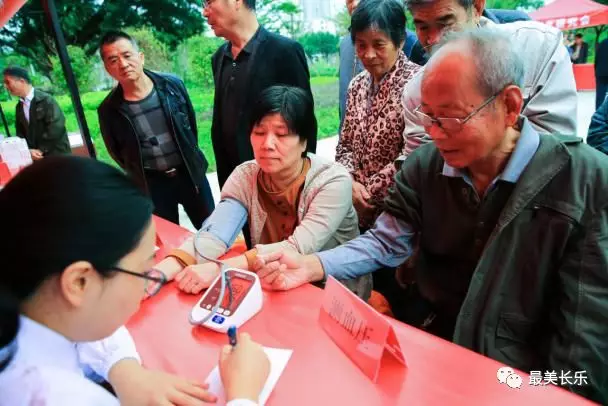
(141, 161)
(538, 207)
(196, 189)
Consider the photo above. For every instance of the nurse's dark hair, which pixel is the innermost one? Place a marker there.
(294, 105)
(386, 16)
(59, 211)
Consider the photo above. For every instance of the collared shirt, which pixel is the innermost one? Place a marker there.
(389, 242)
(27, 102)
(234, 84)
(525, 148)
(48, 369)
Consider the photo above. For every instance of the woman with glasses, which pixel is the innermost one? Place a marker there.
(77, 252)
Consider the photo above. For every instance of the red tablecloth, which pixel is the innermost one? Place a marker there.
(5, 174)
(584, 75)
(438, 372)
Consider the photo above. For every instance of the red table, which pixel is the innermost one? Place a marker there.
(584, 75)
(5, 174)
(318, 373)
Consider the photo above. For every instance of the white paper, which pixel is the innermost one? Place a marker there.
(278, 361)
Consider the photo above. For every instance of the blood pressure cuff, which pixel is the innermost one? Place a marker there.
(226, 221)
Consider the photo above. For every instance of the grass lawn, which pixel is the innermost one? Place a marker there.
(325, 91)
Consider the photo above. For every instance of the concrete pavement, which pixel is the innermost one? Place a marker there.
(327, 147)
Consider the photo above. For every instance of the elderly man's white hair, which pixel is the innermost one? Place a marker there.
(496, 62)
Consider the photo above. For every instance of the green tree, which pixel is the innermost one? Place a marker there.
(82, 66)
(322, 43)
(514, 4)
(157, 56)
(281, 16)
(84, 21)
(342, 21)
(12, 59)
(194, 61)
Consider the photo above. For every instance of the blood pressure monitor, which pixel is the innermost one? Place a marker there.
(246, 301)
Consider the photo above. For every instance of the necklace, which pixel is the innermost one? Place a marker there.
(267, 180)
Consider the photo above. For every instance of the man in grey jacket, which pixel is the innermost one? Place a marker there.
(550, 98)
(511, 227)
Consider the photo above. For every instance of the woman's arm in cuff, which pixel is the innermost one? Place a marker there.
(217, 234)
(240, 262)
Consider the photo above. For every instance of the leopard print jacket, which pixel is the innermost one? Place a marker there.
(372, 135)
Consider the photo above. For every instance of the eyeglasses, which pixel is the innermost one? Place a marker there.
(451, 124)
(207, 3)
(153, 275)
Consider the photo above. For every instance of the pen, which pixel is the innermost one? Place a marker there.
(232, 335)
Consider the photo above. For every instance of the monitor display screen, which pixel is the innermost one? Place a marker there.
(241, 284)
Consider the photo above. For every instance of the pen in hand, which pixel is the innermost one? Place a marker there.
(232, 335)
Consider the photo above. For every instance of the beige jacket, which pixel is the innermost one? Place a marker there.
(326, 216)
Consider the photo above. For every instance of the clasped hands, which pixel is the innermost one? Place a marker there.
(281, 270)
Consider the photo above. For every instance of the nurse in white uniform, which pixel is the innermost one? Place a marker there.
(76, 259)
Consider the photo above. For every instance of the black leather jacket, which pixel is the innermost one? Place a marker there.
(122, 142)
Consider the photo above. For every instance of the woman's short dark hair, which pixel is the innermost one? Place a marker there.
(294, 105)
(65, 209)
(387, 16)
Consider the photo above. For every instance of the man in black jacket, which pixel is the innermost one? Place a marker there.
(580, 50)
(601, 73)
(598, 129)
(38, 117)
(149, 128)
(251, 60)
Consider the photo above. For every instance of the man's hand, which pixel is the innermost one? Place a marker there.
(362, 199)
(36, 154)
(194, 278)
(244, 369)
(134, 385)
(284, 270)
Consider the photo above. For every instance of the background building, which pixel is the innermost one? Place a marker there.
(318, 15)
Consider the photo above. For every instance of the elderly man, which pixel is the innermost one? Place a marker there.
(548, 87)
(350, 65)
(149, 127)
(511, 225)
